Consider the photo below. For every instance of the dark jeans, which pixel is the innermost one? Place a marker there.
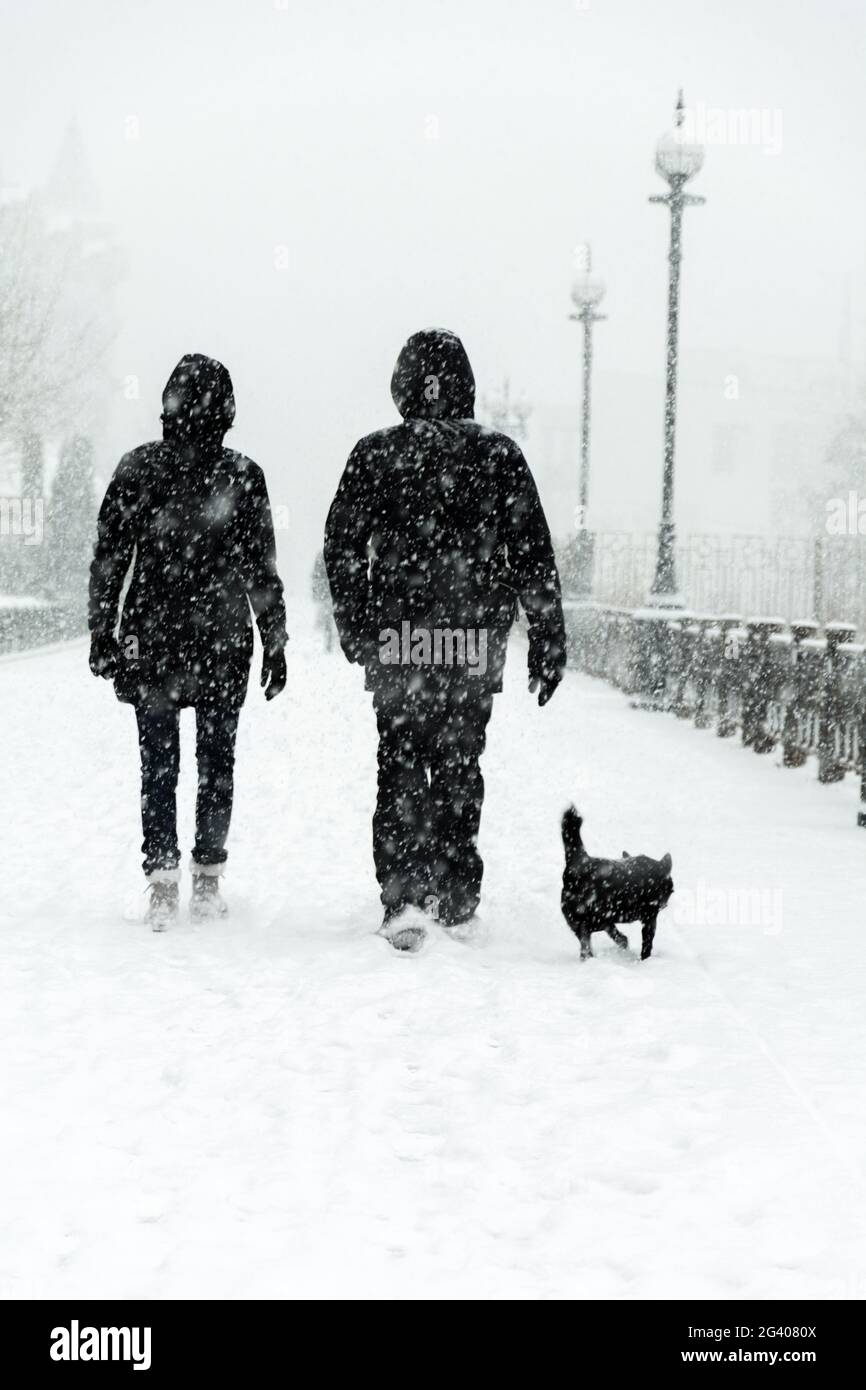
(159, 744)
(431, 792)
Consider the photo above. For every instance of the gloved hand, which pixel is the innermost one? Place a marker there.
(274, 672)
(104, 655)
(545, 683)
(546, 664)
(358, 650)
(359, 653)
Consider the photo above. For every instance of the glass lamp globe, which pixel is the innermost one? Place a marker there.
(678, 157)
(587, 292)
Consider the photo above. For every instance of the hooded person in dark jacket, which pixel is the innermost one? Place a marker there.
(435, 534)
(193, 521)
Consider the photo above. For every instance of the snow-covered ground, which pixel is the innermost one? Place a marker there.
(280, 1105)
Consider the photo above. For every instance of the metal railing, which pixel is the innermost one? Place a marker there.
(795, 576)
(774, 684)
(30, 622)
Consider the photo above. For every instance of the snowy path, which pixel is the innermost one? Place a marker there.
(279, 1105)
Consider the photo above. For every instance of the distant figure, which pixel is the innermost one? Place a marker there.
(322, 599)
(435, 533)
(194, 521)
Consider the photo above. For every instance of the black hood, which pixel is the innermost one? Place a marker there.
(433, 379)
(198, 401)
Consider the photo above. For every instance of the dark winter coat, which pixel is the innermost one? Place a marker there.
(437, 523)
(196, 526)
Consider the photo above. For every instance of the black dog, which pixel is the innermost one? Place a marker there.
(598, 893)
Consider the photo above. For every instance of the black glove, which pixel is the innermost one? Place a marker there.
(274, 673)
(545, 684)
(104, 655)
(358, 650)
(546, 660)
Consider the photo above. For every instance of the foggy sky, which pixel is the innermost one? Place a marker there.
(436, 163)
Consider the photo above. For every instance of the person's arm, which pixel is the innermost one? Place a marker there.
(533, 568)
(261, 580)
(112, 556)
(347, 533)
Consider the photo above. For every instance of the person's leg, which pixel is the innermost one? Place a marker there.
(401, 822)
(159, 746)
(216, 731)
(457, 788)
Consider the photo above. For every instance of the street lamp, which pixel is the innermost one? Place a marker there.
(587, 293)
(677, 160)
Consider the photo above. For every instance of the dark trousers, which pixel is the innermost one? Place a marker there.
(159, 745)
(431, 791)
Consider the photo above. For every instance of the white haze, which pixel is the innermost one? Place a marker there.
(436, 163)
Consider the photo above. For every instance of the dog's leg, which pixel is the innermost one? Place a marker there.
(649, 931)
(618, 937)
(585, 943)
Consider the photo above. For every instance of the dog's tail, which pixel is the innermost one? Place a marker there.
(571, 823)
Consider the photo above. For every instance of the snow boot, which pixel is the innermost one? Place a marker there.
(455, 912)
(207, 903)
(164, 903)
(405, 927)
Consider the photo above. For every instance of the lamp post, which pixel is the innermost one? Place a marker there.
(677, 160)
(587, 293)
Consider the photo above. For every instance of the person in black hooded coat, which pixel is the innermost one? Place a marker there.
(193, 521)
(437, 526)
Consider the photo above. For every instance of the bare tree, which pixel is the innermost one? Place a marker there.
(58, 269)
(56, 321)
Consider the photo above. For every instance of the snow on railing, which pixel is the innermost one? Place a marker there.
(32, 622)
(776, 684)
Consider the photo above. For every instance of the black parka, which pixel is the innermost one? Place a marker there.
(193, 520)
(437, 523)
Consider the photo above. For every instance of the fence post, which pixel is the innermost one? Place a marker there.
(778, 672)
(831, 768)
(756, 685)
(650, 655)
(731, 652)
(581, 630)
(614, 650)
(676, 667)
(794, 753)
(629, 637)
(706, 663)
(689, 643)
